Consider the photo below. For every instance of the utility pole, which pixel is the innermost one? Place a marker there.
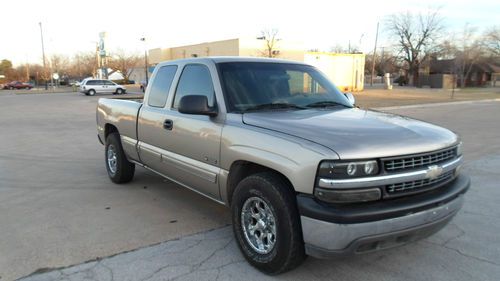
(44, 64)
(373, 57)
(43, 53)
(143, 39)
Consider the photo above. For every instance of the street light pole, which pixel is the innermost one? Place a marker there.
(373, 57)
(43, 53)
(145, 58)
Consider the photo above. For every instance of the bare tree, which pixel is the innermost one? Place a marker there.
(469, 50)
(270, 36)
(123, 62)
(492, 41)
(385, 62)
(338, 49)
(59, 64)
(86, 65)
(416, 35)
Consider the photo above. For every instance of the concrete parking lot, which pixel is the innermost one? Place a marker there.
(58, 209)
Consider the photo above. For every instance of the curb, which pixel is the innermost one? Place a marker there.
(435, 104)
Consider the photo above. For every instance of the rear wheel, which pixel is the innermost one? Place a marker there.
(119, 91)
(120, 170)
(91, 92)
(266, 223)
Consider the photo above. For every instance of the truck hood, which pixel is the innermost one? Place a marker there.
(355, 133)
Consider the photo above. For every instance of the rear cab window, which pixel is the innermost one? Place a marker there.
(160, 87)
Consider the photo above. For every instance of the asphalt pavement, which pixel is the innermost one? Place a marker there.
(62, 219)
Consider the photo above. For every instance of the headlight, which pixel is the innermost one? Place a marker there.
(459, 149)
(347, 169)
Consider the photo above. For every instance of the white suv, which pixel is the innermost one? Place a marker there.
(92, 86)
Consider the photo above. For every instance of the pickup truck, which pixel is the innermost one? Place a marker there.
(303, 170)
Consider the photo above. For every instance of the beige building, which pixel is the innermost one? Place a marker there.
(345, 70)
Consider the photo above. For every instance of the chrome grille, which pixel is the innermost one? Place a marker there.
(403, 187)
(420, 160)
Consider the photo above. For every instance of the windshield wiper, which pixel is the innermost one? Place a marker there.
(273, 106)
(325, 104)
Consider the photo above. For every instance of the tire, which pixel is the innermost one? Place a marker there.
(287, 252)
(119, 91)
(120, 170)
(91, 92)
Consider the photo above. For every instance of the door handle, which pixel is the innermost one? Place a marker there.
(168, 124)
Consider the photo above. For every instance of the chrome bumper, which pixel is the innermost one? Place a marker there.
(326, 239)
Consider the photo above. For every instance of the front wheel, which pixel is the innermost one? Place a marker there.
(266, 223)
(120, 170)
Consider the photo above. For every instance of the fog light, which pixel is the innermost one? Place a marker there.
(347, 196)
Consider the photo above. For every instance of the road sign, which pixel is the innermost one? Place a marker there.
(55, 76)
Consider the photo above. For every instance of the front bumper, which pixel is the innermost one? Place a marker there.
(333, 230)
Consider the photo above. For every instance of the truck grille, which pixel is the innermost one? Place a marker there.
(420, 160)
(411, 186)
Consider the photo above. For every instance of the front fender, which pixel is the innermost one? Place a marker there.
(296, 159)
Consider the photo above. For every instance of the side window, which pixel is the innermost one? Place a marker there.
(161, 85)
(100, 82)
(195, 80)
(91, 82)
(109, 83)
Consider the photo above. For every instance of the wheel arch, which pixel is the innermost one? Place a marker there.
(241, 169)
(110, 128)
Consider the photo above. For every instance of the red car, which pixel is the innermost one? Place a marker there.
(17, 85)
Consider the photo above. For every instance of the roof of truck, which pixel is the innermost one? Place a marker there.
(222, 59)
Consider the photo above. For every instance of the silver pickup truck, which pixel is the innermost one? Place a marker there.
(303, 170)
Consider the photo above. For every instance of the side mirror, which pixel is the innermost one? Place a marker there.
(197, 105)
(350, 97)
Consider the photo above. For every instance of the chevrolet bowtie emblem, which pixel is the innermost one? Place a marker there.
(434, 171)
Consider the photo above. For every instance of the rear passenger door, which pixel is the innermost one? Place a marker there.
(150, 130)
(99, 86)
(109, 86)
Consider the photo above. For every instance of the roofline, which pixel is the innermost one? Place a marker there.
(224, 59)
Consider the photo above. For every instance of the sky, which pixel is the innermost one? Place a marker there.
(70, 27)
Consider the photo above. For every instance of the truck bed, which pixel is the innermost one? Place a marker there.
(122, 114)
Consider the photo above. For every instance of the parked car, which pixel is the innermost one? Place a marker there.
(75, 83)
(303, 170)
(92, 86)
(17, 85)
(401, 80)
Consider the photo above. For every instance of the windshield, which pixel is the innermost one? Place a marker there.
(252, 86)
